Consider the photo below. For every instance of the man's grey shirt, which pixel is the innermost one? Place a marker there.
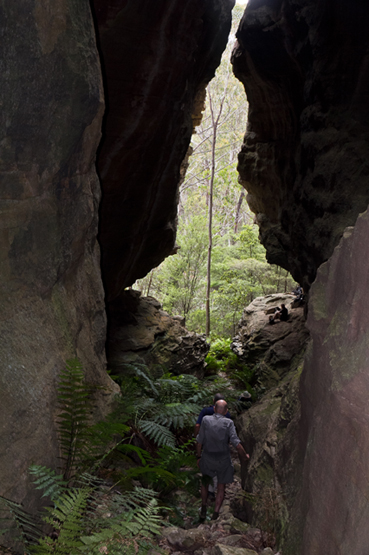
(216, 433)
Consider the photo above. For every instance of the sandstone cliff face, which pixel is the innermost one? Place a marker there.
(158, 58)
(269, 428)
(51, 296)
(268, 431)
(304, 160)
(332, 512)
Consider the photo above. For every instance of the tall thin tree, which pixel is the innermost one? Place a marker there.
(214, 124)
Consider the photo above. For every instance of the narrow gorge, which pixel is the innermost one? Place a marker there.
(98, 105)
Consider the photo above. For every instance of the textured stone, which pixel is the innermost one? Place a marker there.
(270, 349)
(304, 160)
(158, 58)
(332, 510)
(51, 295)
(268, 432)
(141, 332)
(221, 549)
(232, 540)
(187, 540)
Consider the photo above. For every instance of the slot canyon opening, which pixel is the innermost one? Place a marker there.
(303, 162)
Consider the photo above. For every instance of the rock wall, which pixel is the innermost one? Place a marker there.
(270, 349)
(269, 429)
(304, 163)
(332, 511)
(51, 295)
(158, 58)
(140, 332)
(268, 432)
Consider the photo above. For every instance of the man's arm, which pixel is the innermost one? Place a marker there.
(236, 442)
(242, 453)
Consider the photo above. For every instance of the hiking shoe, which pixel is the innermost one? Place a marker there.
(215, 515)
(203, 512)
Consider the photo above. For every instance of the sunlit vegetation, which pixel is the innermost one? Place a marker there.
(234, 271)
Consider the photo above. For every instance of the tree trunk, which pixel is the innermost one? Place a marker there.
(238, 210)
(214, 123)
(149, 284)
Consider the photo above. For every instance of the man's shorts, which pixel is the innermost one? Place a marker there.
(221, 468)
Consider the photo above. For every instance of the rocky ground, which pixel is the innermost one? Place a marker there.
(225, 536)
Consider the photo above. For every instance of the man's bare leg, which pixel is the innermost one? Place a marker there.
(204, 494)
(219, 499)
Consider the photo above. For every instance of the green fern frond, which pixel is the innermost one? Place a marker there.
(28, 527)
(158, 433)
(131, 520)
(144, 404)
(141, 371)
(47, 480)
(74, 402)
(177, 415)
(171, 390)
(67, 518)
(129, 449)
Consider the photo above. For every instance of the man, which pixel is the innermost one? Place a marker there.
(213, 454)
(208, 411)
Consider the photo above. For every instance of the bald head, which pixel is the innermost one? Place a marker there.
(221, 407)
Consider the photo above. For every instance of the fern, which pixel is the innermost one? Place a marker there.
(180, 464)
(67, 519)
(28, 527)
(177, 415)
(75, 405)
(158, 433)
(47, 480)
(141, 371)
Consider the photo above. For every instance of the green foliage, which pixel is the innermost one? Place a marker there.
(75, 410)
(222, 358)
(19, 524)
(162, 405)
(240, 273)
(86, 519)
(179, 282)
(239, 269)
(173, 468)
(48, 481)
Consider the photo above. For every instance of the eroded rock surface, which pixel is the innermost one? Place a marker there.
(268, 431)
(51, 295)
(158, 58)
(332, 512)
(304, 159)
(270, 349)
(140, 332)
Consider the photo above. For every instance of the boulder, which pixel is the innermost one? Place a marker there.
(140, 332)
(270, 349)
(220, 549)
(186, 540)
